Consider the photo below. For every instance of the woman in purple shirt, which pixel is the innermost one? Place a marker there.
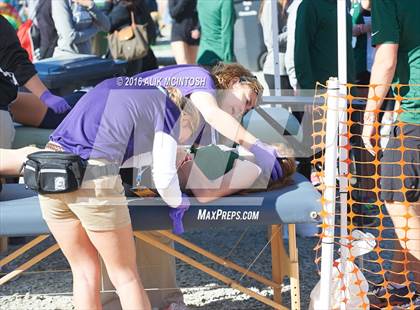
(109, 125)
(222, 96)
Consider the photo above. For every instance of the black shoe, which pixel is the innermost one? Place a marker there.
(414, 303)
(393, 288)
(398, 297)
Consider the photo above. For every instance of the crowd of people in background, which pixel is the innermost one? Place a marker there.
(203, 33)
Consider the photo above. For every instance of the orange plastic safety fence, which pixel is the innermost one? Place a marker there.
(382, 194)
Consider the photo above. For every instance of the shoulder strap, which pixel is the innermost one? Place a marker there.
(133, 20)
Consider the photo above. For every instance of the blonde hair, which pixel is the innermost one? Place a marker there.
(186, 106)
(223, 74)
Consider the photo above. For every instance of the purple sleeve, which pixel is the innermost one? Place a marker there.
(196, 80)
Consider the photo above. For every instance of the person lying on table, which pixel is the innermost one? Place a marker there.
(213, 171)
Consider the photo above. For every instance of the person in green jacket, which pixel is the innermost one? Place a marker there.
(217, 18)
(316, 56)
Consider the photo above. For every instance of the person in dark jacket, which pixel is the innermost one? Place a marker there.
(185, 30)
(17, 70)
(47, 33)
(120, 17)
(315, 53)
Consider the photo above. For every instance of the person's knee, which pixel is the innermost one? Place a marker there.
(123, 277)
(86, 270)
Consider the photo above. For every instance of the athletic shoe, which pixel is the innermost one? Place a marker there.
(397, 299)
(393, 288)
(414, 303)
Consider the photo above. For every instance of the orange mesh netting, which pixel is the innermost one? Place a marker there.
(395, 257)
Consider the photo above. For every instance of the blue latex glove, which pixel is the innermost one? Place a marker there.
(176, 214)
(266, 159)
(58, 104)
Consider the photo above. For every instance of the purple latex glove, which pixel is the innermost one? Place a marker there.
(176, 214)
(266, 159)
(58, 104)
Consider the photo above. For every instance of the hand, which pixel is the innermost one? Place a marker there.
(266, 159)
(86, 3)
(195, 34)
(176, 214)
(368, 131)
(58, 104)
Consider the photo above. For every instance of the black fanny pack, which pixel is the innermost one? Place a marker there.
(54, 172)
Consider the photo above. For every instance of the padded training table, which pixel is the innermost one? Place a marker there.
(20, 215)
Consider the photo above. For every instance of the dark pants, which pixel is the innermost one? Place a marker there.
(52, 120)
(284, 80)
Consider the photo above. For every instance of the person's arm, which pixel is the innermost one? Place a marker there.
(35, 86)
(289, 58)
(386, 36)
(164, 169)
(223, 122)
(383, 71)
(99, 18)
(228, 21)
(306, 28)
(266, 25)
(63, 21)
(17, 60)
(241, 177)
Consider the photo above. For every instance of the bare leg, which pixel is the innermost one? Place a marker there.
(179, 51)
(191, 53)
(11, 161)
(83, 259)
(118, 252)
(28, 109)
(406, 221)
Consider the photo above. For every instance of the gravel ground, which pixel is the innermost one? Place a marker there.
(38, 289)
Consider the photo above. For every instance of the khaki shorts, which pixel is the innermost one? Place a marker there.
(99, 204)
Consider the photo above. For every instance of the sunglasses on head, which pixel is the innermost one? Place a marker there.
(248, 79)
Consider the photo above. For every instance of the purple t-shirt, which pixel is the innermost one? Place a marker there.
(115, 123)
(187, 78)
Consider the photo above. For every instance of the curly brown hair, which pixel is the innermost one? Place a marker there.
(224, 73)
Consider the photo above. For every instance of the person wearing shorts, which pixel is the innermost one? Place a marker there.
(395, 25)
(109, 126)
(185, 33)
